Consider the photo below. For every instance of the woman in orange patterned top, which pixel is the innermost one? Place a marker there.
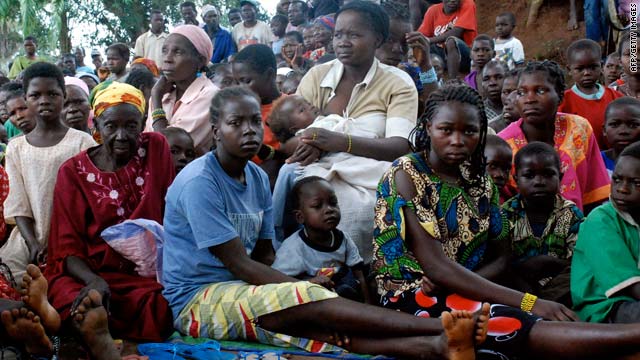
(584, 177)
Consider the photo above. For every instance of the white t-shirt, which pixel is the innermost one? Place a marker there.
(245, 36)
(296, 256)
(510, 51)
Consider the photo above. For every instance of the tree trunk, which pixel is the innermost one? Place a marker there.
(63, 37)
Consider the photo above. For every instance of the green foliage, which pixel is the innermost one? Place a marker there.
(122, 20)
(39, 18)
(101, 22)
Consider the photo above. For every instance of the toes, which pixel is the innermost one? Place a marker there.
(85, 304)
(78, 318)
(33, 271)
(29, 315)
(7, 318)
(95, 298)
(23, 312)
(81, 309)
(447, 320)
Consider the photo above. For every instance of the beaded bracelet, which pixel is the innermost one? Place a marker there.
(158, 114)
(428, 77)
(349, 143)
(528, 301)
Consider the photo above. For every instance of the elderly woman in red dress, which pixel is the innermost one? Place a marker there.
(124, 178)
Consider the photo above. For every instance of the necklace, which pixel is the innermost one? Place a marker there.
(331, 232)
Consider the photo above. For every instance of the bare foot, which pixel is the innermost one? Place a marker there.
(534, 8)
(572, 24)
(34, 295)
(482, 323)
(23, 326)
(92, 324)
(459, 326)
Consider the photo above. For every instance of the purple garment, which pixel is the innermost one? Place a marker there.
(624, 7)
(471, 79)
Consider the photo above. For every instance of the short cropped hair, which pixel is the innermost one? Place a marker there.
(582, 45)
(259, 57)
(296, 200)
(223, 96)
(632, 150)
(485, 37)
(537, 148)
(121, 49)
(43, 70)
(622, 101)
(509, 15)
(188, 4)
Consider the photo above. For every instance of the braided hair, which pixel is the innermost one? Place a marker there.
(463, 94)
(554, 72)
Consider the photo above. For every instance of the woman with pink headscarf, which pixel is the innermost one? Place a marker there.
(76, 112)
(182, 95)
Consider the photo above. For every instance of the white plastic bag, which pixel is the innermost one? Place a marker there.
(139, 241)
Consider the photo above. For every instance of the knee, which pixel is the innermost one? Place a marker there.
(451, 45)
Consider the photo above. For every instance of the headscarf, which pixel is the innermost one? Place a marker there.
(198, 38)
(115, 94)
(150, 64)
(68, 80)
(327, 21)
(205, 9)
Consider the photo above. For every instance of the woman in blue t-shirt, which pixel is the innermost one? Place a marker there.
(217, 252)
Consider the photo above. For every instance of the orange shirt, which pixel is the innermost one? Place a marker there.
(268, 138)
(436, 22)
(591, 109)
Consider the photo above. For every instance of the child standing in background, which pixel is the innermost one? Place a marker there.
(319, 250)
(543, 225)
(621, 128)
(587, 97)
(508, 48)
(33, 161)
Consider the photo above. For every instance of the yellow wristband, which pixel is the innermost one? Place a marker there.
(528, 301)
(349, 143)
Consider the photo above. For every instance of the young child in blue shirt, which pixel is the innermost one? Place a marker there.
(319, 250)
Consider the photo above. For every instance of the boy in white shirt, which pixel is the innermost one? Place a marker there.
(507, 47)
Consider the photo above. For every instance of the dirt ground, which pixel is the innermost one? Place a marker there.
(547, 38)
